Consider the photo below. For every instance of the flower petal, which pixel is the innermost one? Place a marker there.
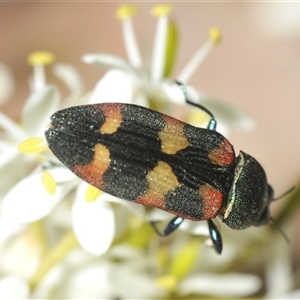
(228, 285)
(10, 161)
(28, 200)
(279, 271)
(114, 86)
(12, 129)
(109, 61)
(71, 77)
(228, 114)
(38, 108)
(93, 222)
(136, 208)
(8, 229)
(224, 113)
(13, 287)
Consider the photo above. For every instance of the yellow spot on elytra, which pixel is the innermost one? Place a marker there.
(161, 180)
(92, 173)
(161, 10)
(49, 183)
(92, 194)
(215, 35)
(172, 137)
(125, 11)
(113, 119)
(40, 58)
(32, 146)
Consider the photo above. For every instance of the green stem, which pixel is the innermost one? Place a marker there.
(67, 243)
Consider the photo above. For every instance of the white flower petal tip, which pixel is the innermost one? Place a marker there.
(28, 201)
(108, 61)
(93, 223)
(37, 109)
(115, 86)
(229, 285)
(73, 80)
(13, 287)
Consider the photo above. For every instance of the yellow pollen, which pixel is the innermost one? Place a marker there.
(49, 183)
(92, 194)
(125, 11)
(32, 146)
(40, 58)
(161, 10)
(168, 282)
(215, 35)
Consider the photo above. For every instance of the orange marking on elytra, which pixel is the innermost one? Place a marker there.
(161, 180)
(92, 173)
(172, 136)
(223, 154)
(212, 200)
(113, 118)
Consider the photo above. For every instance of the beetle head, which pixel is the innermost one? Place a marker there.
(250, 195)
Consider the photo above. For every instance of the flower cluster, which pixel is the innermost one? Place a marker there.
(61, 238)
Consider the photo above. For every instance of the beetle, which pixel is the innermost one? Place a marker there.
(147, 157)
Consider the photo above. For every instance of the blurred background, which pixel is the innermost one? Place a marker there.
(256, 67)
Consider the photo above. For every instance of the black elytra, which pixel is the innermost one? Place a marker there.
(146, 157)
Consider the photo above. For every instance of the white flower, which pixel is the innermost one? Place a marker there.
(28, 200)
(152, 88)
(13, 287)
(229, 285)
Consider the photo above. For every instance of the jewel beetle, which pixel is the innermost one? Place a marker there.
(143, 156)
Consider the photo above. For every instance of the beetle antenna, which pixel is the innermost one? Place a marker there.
(282, 232)
(284, 194)
(212, 125)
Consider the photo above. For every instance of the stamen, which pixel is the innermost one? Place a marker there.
(200, 55)
(32, 146)
(92, 194)
(215, 35)
(161, 10)
(125, 13)
(159, 50)
(49, 183)
(38, 60)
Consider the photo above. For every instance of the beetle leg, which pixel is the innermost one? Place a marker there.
(172, 226)
(212, 124)
(215, 236)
